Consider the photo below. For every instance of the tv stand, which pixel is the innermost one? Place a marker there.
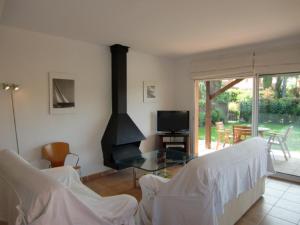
(174, 138)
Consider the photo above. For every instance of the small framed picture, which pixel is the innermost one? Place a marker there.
(150, 91)
(61, 93)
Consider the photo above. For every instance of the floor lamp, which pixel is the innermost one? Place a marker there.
(12, 88)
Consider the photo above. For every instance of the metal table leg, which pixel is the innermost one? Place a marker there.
(134, 177)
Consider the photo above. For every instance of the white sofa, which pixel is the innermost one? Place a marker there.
(29, 196)
(216, 189)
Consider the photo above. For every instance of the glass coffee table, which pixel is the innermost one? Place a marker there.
(155, 161)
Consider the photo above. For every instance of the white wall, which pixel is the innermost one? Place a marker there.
(142, 67)
(184, 94)
(27, 57)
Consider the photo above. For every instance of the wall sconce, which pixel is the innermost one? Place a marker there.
(12, 88)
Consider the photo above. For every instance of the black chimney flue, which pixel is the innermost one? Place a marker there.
(119, 78)
(122, 137)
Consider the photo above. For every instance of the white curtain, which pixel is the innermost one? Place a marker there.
(222, 66)
(280, 59)
(267, 60)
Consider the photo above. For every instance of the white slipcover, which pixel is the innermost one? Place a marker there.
(197, 194)
(55, 196)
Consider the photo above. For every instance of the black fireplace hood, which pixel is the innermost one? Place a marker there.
(122, 137)
(122, 130)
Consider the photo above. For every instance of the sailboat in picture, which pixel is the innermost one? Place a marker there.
(60, 100)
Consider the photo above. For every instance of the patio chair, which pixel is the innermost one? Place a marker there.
(280, 140)
(223, 135)
(241, 132)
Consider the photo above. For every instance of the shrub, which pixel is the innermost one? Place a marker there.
(233, 95)
(282, 106)
(287, 107)
(233, 107)
(246, 110)
(297, 110)
(216, 115)
(294, 92)
(202, 118)
(233, 111)
(223, 98)
(272, 105)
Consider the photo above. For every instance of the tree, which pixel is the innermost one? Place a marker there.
(284, 82)
(215, 85)
(278, 89)
(267, 82)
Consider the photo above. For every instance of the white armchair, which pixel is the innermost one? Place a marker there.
(55, 196)
(150, 185)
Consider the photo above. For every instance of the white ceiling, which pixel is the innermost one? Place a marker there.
(162, 27)
(1, 7)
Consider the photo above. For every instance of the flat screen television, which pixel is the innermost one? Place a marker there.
(173, 121)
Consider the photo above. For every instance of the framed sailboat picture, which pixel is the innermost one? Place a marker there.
(62, 93)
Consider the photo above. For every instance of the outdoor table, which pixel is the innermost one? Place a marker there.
(262, 130)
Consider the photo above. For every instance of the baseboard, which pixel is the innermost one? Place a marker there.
(97, 175)
(286, 177)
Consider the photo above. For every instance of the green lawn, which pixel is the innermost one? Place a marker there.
(293, 139)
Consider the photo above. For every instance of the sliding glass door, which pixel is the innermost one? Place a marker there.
(279, 119)
(225, 112)
(267, 106)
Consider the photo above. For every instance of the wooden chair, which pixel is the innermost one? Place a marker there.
(223, 135)
(58, 154)
(241, 132)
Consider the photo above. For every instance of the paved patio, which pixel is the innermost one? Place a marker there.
(292, 166)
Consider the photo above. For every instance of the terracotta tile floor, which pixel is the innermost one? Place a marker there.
(280, 204)
(120, 183)
(114, 184)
